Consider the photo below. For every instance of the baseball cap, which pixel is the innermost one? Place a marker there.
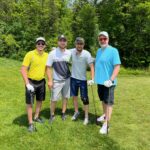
(79, 40)
(40, 39)
(62, 37)
(104, 33)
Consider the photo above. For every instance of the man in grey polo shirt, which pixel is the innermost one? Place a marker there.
(58, 60)
(80, 60)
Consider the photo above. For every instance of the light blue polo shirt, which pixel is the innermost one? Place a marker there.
(104, 64)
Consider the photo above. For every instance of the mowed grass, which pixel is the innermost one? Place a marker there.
(130, 123)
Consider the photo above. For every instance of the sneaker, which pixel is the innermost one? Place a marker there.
(31, 128)
(86, 121)
(101, 118)
(63, 116)
(51, 119)
(104, 129)
(39, 120)
(75, 116)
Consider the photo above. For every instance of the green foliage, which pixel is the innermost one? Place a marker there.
(127, 22)
(85, 23)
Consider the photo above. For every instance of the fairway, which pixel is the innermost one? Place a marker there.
(130, 124)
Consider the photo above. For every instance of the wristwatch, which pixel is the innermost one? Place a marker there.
(112, 81)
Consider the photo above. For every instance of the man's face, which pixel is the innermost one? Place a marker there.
(62, 43)
(79, 46)
(40, 45)
(103, 41)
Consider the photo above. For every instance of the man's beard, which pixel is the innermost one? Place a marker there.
(103, 45)
(79, 50)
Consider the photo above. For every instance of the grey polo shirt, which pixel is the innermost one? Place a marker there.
(80, 63)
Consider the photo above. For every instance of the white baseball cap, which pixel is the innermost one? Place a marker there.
(40, 39)
(104, 33)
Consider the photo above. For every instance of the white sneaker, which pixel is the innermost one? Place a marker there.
(101, 118)
(104, 129)
(86, 121)
(75, 116)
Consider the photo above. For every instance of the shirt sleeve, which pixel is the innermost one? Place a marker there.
(50, 59)
(27, 60)
(116, 57)
(90, 60)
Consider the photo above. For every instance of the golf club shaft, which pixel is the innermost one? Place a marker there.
(94, 102)
(108, 111)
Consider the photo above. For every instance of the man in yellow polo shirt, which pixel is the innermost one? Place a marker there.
(33, 73)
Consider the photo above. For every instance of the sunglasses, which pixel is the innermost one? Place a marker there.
(102, 39)
(41, 43)
(62, 40)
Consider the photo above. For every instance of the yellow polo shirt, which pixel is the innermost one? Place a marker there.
(36, 64)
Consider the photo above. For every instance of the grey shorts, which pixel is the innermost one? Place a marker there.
(60, 88)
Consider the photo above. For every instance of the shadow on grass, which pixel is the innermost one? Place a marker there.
(104, 142)
(22, 119)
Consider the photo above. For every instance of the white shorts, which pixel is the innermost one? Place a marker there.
(60, 88)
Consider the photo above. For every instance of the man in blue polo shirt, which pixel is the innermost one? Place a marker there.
(107, 65)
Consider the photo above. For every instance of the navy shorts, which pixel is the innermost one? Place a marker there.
(106, 94)
(39, 91)
(82, 85)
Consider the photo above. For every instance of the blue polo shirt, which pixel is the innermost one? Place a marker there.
(104, 64)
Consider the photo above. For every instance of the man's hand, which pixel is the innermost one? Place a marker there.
(90, 82)
(50, 84)
(108, 83)
(30, 87)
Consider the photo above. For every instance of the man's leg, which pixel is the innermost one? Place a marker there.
(74, 93)
(108, 112)
(65, 95)
(85, 100)
(55, 95)
(29, 113)
(75, 103)
(64, 105)
(38, 108)
(86, 110)
(76, 113)
(104, 107)
(108, 103)
(52, 108)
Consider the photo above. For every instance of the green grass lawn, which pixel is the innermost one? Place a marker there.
(130, 124)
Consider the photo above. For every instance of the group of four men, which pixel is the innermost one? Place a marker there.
(62, 82)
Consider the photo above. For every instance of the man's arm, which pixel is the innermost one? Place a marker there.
(109, 82)
(49, 76)
(24, 74)
(25, 78)
(91, 82)
(115, 72)
(92, 71)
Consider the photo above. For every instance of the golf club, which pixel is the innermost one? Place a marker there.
(108, 111)
(94, 105)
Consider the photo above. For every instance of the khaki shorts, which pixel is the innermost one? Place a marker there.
(60, 88)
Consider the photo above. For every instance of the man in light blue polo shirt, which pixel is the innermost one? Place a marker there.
(107, 65)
